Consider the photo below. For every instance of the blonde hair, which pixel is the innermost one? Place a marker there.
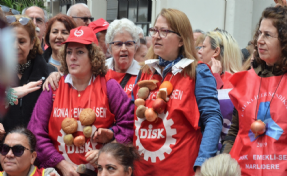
(179, 23)
(220, 165)
(230, 54)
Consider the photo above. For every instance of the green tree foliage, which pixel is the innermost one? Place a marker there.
(22, 4)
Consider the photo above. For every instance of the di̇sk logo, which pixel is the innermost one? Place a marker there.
(272, 129)
(70, 153)
(78, 33)
(154, 139)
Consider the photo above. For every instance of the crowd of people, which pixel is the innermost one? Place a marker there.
(96, 98)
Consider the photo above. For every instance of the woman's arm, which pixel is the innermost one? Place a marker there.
(123, 109)
(48, 156)
(210, 115)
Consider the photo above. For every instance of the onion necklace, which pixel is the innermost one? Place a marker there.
(258, 127)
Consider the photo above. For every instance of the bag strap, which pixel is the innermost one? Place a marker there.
(125, 80)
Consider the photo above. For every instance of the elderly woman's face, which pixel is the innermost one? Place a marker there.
(23, 44)
(109, 166)
(78, 61)
(12, 164)
(123, 54)
(269, 48)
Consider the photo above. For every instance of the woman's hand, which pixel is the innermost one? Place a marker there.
(197, 171)
(21, 91)
(92, 157)
(67, 169)
(103, 135)
(53, 80)
(215, 66)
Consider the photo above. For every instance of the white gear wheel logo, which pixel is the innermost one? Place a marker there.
(78, 33)
(62, 144)
(166, 146)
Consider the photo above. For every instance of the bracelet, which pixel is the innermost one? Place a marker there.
(11, 97)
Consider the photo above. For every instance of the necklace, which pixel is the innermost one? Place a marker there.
(23, 67)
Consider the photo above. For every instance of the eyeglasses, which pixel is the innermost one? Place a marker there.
(17, 150)
(265, 36)
(38, 20)
(198, 48)
(128, 44)
(85, 19)
(162, 32)
(22, 20)
(7, 9)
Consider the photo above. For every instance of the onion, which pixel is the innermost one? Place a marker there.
(79, 141)
(150, 115)
(258, 127)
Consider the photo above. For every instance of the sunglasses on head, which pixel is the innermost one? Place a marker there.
(22, 20)
(85, 19)
(7, 9)
(17, 150)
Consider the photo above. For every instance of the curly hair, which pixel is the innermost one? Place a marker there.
(96, 55)
(279, 18)
(31, 29)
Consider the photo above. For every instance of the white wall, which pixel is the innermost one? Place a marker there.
(98, 8)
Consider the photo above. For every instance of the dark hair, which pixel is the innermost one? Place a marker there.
(142, 41)
(125, 155)
(66, 20)
(30, 136)
(279, 18)
(102, 33)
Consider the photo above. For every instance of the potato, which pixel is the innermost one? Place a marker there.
(141, 111)
(143, 93)
(69, 125)
(139, 101)
(87, 131)
(87, 117)
(151, 84)
(79, 141)
(68, 139)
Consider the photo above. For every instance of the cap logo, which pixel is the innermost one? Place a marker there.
(105, 23)
(78, 33)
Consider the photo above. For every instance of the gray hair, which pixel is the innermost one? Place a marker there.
(140, 31)
(120, 26)
(46, 16)
(70, 9)
(198, 31)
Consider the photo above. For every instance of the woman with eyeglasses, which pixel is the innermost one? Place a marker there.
(31, 68)
(18, 153)
(100, 111)
(181, 121)
(58, 30)
(257, 136)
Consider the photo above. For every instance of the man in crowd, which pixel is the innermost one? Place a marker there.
(197, 33)
(81, 14)
(39, 17)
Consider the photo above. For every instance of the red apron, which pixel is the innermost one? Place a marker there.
(68, 104)
(225, 78)
(119, 77)
(267, 154)
(170, 145)
(36, 172)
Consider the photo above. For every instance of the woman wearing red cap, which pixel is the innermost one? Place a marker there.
(72, 122)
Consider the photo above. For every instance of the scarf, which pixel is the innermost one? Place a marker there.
(168, 64)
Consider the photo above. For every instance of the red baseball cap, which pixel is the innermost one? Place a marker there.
(83, 35)
(99, 25)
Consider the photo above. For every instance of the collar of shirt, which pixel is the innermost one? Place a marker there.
(133, 69)
(69, 80)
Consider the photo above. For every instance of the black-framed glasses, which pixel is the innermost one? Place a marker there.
(22, 20)
(119, 44)
(17, 150)
(85, 19)
(7, 9)
(162, 32)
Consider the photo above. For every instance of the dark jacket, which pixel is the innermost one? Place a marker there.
(46, 55)
(19, 115)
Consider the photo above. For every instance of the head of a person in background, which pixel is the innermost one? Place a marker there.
(220, 165)
(148, 40)
(122, 40)
(27, 43)
(141, 51)
(116, 159)
(270, 39)
(199, 44)
(140, 32)
(18, 151)
(219, 44)
(172, 37)
(197, 33)
(80, 56)
(81, 14)
(100, 27)
(39, 17)
(58, 31)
